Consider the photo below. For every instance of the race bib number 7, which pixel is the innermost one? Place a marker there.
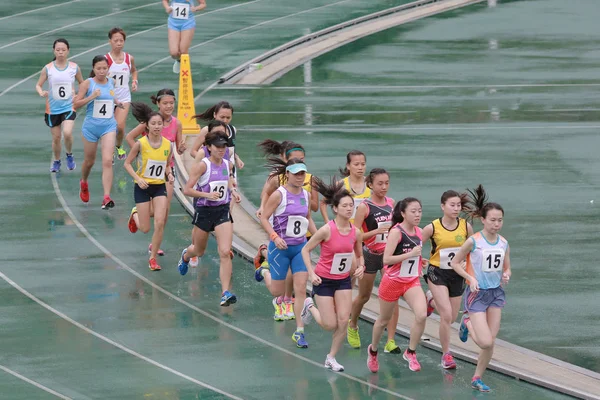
(409, 267)
(493, 260)
(296, 227)
(341, 263)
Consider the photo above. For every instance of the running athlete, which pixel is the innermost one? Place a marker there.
(340, 241)
(181, 26)
(402, 278)
(354, 181)
(222, 111)
(60, 114)
(488, 268)
(287, 150)
(121, 67)
(289, 207)
(213, 126)
(447, 234)
(211, 182)
(373, 216)
(98, 92)
(149, 191)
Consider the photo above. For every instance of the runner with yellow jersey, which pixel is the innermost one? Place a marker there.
(150, 191)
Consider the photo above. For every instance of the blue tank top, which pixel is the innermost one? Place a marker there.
(182, 10)
(100, 111)
(214, 179)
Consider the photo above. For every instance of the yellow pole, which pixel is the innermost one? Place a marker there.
(185, 104)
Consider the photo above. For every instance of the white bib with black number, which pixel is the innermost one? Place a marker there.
(446, 257)
(180, 10)
(121, 79)
(493, 260)
(103, 109)
(62, 91)
(357, 203)
(409, 267)
(219, 187)
(155, 169)
(296, 226)
(382, 237)
(341, 263)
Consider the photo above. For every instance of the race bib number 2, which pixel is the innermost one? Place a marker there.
(180, 10)
(493, 260)
(62, 91)
(341, 263)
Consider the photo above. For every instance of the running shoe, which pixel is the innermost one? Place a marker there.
(55, 166)
(353, 337)
(107, 203)
(70, 162)
(298, 338)
(372, 362)
(463, 332)
(84, 191)
(413, 363)
(193, 262)
(258, 258)
(278, 315)
(448, 361)
(288, 310)
(258, 274)
(153, 265)
(392, 347)
(176, 67)
(228, 299)
(159, 252)
(429, 297)
(306, 315)
(332, 364)
(133, 228)
(479, 385)
(183, 265)
(121, 153)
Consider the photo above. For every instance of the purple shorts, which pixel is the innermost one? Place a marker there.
(484, 299)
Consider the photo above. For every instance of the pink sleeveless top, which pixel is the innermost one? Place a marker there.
(336, 254)
(169, 132)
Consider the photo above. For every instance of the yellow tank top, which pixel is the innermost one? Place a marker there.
(358, 198)
(153, 163)
(445, 243)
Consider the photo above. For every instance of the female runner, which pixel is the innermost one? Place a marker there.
(181, 26)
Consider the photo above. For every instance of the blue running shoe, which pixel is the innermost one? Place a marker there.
(228, 298)
(298, 337)
(258, 274)
(183, 265)
(479, 385)
(463, 332)
(55, 166)
(70, 162)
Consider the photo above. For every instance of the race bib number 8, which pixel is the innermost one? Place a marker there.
(446, 257)
(180, 11)
(382, 237)
(493, 260)
(219, 187)
(409, 267)
(155, 169)
(62, 91)
(103, 109)
(341, 263)
(296, 226)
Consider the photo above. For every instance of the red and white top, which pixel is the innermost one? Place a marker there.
(120, 73)
(336, 254)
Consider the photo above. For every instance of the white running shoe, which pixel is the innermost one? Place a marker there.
(332, 364)
(306, 314)
(176, 67)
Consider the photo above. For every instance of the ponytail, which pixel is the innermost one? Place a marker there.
(209, 114)
(345, 172)
(478, 205)
(332, 193)
(278, 167)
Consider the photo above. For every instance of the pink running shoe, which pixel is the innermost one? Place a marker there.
(448, 361)
(413, 363)
(372, 362)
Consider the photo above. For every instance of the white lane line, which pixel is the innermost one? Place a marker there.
(112, 342)
(105, 44)
(172, 296)
(400, 129)
(401, 87)
(78, 23)
(247, 28)
(39, 9)
(34, 383)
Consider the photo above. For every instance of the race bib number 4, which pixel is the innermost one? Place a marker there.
(296, 226)
(446, 257)
(409, 267)
(103, 109)
(219, 187)
(155, 169)
(493, 260)
(382, 237)
(62, 91)
(341, 263)
(180, 11)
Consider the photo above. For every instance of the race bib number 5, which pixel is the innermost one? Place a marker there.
(219, 187)
(155, 169)
(103, 109)
(341, 263)
(296, 226)
(493, 260)
(446, 257)
(180, 10)
(62, 91)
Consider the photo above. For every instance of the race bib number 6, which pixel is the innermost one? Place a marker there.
(180, 10)
(446, 257)
(493, 260)
(62, 91)
(296, 226)
(341, 263)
